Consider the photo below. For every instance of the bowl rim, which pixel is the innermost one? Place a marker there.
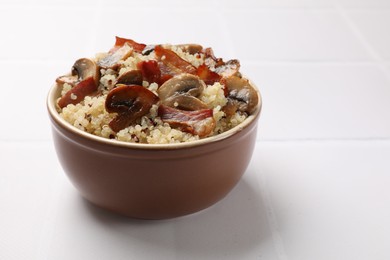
(53, 113)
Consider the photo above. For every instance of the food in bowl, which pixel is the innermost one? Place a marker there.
(157, 101)
(155, 94)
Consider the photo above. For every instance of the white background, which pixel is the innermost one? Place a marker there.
(318, 186)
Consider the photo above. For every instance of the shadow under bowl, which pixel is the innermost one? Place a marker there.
(152, 181)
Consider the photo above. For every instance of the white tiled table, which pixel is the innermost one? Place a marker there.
(318, 186)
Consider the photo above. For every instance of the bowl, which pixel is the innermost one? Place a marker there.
(152, 181)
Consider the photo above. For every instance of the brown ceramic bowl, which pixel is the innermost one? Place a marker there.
(152, 181)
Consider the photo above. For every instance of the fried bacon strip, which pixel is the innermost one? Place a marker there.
(173, 62)
(137, 47)
(77, 94)
(199, 122)
(208, 76)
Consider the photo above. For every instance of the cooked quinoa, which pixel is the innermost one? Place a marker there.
(220, 105)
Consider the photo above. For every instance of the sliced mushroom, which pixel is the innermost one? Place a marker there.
(69, 79)
(184, 102)
(82, 69)
(242, 96)
(111, 61)
(200, 122)
(130, 102)
(228, 69)
(182, 91)
(131, 77)
(191, 48)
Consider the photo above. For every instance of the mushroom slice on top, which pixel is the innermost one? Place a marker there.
(191, 48)
(182, 91)
(111, 61)
(130, 102)
(228, 69)
(200, 122)
(82, 69)
(69, 79)
(241, 96)
(86, 68)
(131, 77)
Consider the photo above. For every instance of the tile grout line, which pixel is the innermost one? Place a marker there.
(225, 30)
(379, 61)
(357, 33)
(94, 31)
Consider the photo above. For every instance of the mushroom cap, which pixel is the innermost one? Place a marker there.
(180, 84)
(184, 102)
(229, 68)
(69, 79)
(242, 94)
(131, 102)
(182, 91)
(82, 69)
(85, 68)
(131, 77)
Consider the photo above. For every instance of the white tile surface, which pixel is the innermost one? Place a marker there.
(24, 98)
(43, 33)
(374, 26)
(30, 176)
(116, 22)
(364, 4)
(293, 35)
(325, 101)
(330, 198)
(317, 187)
(234, 228)
(250, 4)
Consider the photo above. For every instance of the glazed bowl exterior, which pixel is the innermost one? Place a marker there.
(152, 181)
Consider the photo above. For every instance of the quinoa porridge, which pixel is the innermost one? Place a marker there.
(155, 94)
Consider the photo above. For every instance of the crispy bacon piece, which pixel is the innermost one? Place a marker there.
(131, 102)
(150, 71)
(154, 71)
(78, 92)
(137, 47)
(208, 76)
(173, 62)
(199, 122)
